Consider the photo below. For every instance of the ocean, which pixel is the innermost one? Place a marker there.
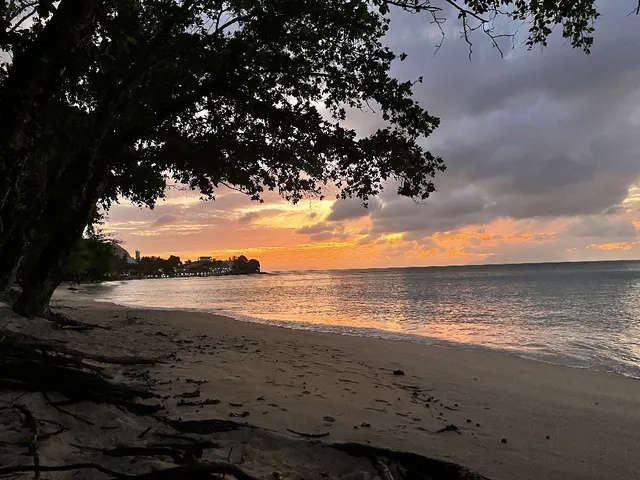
(578, 314)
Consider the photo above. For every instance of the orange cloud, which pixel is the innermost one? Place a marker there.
(611, 246)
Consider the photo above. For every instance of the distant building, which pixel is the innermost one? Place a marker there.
(205, 259)
(137, 255)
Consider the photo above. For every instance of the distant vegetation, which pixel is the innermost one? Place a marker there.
(174, 267)
(96, 257)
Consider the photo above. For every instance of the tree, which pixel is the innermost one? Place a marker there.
(249, 94)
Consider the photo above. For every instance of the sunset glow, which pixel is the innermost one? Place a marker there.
(293, 237)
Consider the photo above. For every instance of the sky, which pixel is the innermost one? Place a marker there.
(543, 156)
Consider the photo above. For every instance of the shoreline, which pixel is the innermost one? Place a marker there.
(376, 333)
(557, 422)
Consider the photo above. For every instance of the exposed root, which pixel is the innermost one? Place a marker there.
(309, 435)
(62, 321)
(61, 468)
(203, 427)
(416, 466)
(66, 412)
(35, 432)
(382, 469)
(195, 470)
(37, 366)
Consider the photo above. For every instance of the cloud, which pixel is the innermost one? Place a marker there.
(167, 219)
(352, 208)
(602, 227)
(248, 217)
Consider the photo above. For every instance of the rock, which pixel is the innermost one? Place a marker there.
(548, 437)
(468, 420)
(329, 419)
(276, 475)
(365, 425)
(477, 424)
(398, 372)
(504, 440)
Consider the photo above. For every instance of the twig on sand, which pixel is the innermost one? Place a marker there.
(33, 444)
(309, 435)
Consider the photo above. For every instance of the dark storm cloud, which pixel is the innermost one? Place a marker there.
(352, 208)
(537, 134)
(601, 227)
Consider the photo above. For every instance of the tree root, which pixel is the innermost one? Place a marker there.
(309, 435)
(417, 467)
(33, 444)
(36, 366)
(66, 412)
(195, 470)
(62, 321)
(203, 427)
(60, 468)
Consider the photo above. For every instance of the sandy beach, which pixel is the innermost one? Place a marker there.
(500, 416)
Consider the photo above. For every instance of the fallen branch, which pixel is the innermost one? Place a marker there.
(309, 435)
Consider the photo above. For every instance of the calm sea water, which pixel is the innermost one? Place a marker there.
(578, 314)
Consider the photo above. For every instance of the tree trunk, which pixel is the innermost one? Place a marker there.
(32, 81)
(62, 223)
(12, 253)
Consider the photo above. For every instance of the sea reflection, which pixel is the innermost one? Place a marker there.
(582, 314)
